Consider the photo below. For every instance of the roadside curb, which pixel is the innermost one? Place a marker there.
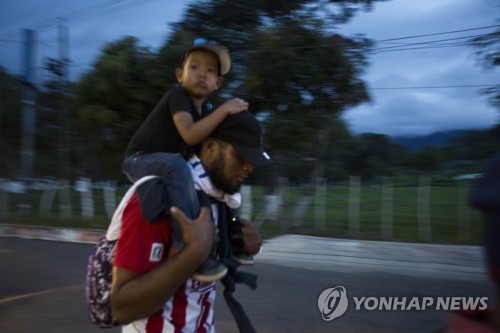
(51, 233)
(454, 262)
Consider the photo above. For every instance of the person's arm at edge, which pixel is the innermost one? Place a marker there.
(135, 296)
(195, 132)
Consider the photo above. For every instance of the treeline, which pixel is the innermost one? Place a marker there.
(298, 74)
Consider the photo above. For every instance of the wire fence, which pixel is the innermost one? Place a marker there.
(422, 210)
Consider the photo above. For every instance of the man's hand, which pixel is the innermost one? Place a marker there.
(234, 105)
(136, 295)
(252, 241)
(198, 234)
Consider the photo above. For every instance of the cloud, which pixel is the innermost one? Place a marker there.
(419, 113)
(423, 110)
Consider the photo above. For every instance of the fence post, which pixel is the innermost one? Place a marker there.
(273, 206)
(463, 213)
(320, 203)
(387, 201)
(300, 210)
(281, 203)
(246, 203)
(47, 200)
(83, 185)
(109, 192)
(423, 213)
(354, 202)
(65, 210)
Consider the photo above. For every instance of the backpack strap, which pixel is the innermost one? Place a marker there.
(233, 276)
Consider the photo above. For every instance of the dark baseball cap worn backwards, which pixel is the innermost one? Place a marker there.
(220, 51)
(242, 130)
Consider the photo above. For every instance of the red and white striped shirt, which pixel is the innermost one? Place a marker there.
(141, 247)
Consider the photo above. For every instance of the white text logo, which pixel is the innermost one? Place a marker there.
(421, 303)
(333, 302)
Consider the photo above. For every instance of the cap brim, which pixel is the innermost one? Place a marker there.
(254, 156)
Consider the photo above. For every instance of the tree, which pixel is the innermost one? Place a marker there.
(475, 146)
(287, 61)
(488, 53)
(427, 159)
(10, 123)
(303, 83)
(371, 155)
(112, 100)
(289, 64)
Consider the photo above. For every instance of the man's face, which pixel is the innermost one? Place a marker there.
(226, 168)
(200, 73)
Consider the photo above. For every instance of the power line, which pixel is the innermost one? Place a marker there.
(439, 33)
(104, 8)
(80, 12)
(109, 10)
(390, 40)
(61, 18)
(434, 44)
(32, 11)
(436, 87)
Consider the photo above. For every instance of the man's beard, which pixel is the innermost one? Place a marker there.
(216, 174)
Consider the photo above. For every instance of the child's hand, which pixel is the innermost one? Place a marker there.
(234, 105)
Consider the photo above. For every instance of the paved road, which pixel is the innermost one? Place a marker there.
(42, 290)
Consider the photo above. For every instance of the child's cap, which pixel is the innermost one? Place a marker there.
(220, 51)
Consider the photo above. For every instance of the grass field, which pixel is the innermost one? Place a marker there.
(451, 220)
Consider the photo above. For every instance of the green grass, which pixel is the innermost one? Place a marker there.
(452, 221)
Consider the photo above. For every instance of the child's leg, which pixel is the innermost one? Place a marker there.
(175, 173)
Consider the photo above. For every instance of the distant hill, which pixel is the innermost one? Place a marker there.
(438, 139)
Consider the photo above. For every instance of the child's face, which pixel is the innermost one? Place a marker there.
(200, 73)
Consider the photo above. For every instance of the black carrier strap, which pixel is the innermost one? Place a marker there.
(233, 276)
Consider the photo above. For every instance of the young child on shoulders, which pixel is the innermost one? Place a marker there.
(183, 117)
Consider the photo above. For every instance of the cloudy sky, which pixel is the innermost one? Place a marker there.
(418, 85)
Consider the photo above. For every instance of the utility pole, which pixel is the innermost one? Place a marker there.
(64, 145)
(59, 67)
(28, 118)
(64, 160)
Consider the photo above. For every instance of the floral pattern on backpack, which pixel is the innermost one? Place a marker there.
(98, 283)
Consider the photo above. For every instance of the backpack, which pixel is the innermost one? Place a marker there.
(98, 283)
(100, 267)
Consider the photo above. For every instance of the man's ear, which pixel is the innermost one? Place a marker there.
(178, 74)
(209, 148)
(209, 144)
